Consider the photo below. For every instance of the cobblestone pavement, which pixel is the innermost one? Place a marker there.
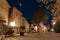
(37, 36)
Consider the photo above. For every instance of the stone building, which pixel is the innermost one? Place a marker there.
(15, 17)
(11, 17)
(4, 10)
(25, 23)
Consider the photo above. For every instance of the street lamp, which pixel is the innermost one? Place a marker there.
(52, 29)
(54, 23)
(13, 24)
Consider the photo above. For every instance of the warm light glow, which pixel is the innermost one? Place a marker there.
(54, 23)
(6, 24)
(45, 28)
(12, 23)
(36, 28)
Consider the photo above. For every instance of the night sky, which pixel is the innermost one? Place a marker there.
(27, 7)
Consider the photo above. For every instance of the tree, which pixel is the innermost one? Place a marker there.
(38, 16)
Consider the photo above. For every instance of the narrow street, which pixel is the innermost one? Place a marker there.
(37, 36)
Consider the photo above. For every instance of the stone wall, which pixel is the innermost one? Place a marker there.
(16, 15)
(4, 11)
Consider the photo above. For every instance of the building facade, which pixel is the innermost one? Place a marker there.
(4, 11)
(15, 17)
(11, 17)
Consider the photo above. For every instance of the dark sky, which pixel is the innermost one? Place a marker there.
(26, 6)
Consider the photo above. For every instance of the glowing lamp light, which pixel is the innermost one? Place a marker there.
(53, 23)
(12, 23)
(45, 28)
(36, 28)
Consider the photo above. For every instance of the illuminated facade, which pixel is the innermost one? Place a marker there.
(16, 20)
(4, 11)
(11, 17)
(25, 23)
